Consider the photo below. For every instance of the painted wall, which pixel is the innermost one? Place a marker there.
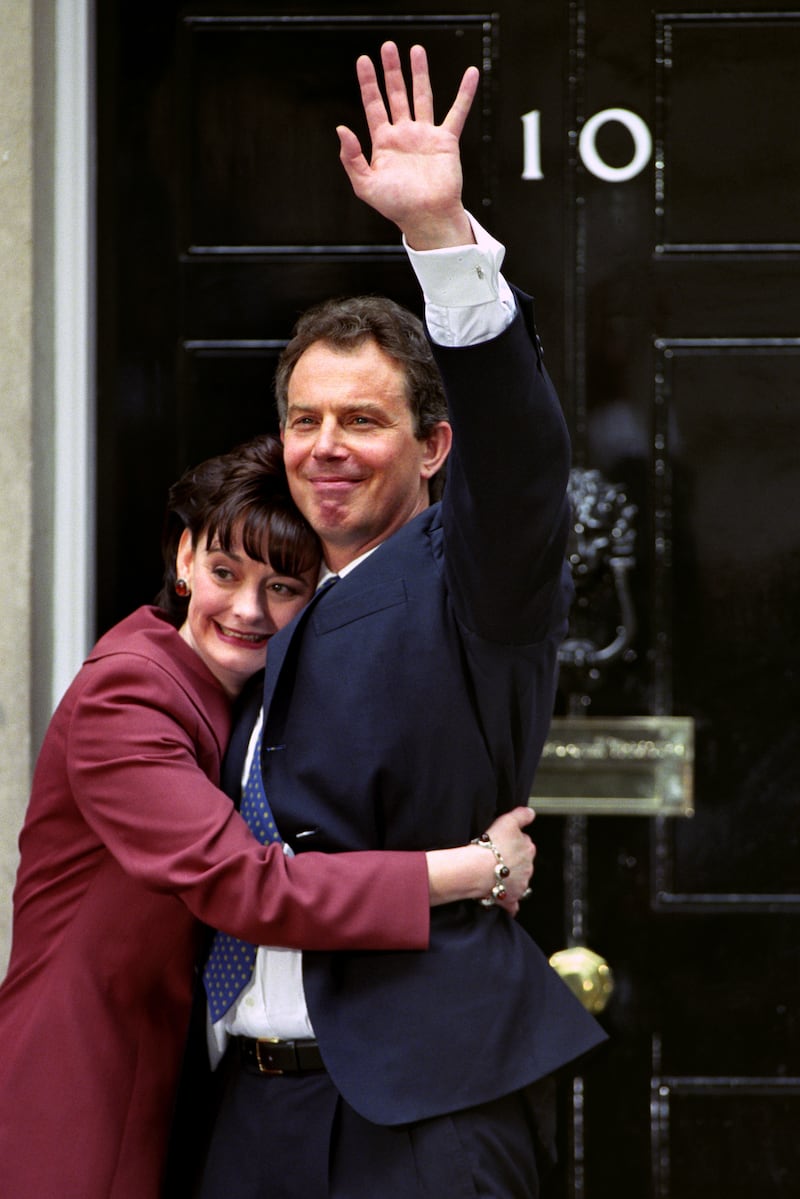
(16, 432)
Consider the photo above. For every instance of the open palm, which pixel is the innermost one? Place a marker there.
(414, 176)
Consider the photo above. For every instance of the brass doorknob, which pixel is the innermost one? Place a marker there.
(586, 974)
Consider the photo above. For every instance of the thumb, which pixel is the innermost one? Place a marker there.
(350, 154)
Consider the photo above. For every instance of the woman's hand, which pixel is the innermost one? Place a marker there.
(467, 872)
(518, 853)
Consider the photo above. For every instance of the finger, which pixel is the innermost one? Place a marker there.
(456, 118)
(421, 85)
(371, 98)
(394, 83)
(524, 816)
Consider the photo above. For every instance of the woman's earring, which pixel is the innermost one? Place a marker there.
(181, 588)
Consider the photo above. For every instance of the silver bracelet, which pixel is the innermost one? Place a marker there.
(501, 871)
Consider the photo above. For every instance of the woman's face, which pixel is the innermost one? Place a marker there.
(236, 604)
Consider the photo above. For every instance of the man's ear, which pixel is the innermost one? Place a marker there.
(436, 443)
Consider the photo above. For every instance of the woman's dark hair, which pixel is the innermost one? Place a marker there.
(346, 324)
(242, 494)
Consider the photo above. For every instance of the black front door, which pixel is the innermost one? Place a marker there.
(642, 169)
(683, 303)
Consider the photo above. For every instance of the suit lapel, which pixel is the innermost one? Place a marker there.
(379, 568)
(278, 653)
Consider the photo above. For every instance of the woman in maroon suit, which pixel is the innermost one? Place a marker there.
(128, 845)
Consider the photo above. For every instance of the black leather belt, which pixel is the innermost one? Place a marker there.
(267, 1056)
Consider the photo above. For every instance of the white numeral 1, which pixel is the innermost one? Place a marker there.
(531, 133)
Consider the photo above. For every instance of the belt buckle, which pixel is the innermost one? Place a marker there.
(262, 1067)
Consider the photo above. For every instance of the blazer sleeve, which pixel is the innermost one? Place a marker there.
(505, 511)
(141, 756)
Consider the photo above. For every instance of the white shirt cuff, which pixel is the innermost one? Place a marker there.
(467, 300)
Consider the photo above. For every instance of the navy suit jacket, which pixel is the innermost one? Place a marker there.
(404, 709)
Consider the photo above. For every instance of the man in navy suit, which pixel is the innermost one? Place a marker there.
(408, 706)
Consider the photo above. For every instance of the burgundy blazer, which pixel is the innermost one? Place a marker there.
(127, 846)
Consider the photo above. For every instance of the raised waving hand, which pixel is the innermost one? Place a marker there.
(414, 176)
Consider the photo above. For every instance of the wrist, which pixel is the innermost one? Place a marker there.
(500, 872)
(439, 231)
(464, 872)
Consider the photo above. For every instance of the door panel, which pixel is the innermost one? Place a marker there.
(668, 300)
(691, 343)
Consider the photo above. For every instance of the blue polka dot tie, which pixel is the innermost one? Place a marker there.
(230, 962)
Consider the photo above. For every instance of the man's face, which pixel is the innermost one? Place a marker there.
(356, 470)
